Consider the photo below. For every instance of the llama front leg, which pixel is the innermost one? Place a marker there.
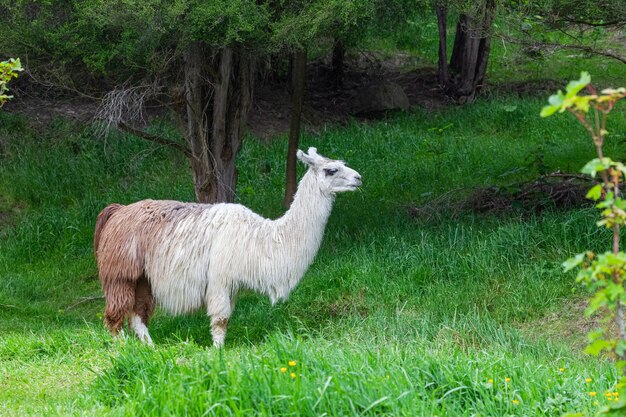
(219, 307)
(218, 330)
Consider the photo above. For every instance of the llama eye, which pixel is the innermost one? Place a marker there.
(330, 172)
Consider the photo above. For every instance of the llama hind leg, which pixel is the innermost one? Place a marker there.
(120, 298)
(142, 310)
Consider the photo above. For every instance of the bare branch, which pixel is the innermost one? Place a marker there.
(607, 53)
(56, 85)
(122, 105)
(617, 22)
(154, 138)
(84, 300)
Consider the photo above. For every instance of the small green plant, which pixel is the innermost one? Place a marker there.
(8, 70)
(604, 274)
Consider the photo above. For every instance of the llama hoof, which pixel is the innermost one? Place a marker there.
(147, 340)
(120, 337)
(141, 330)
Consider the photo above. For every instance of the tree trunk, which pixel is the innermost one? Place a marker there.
(470, 53)
(442, 24)
(456, 61)
(485, 43)
(197, 59)
(339, 52)
(297, 97)
(218, 91)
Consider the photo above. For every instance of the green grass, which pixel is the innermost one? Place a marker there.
(397, 316)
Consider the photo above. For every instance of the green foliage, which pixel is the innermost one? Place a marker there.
(561, 13)
(134, 40)
(561, 102)
(604, 274)
(8, 71)
(302, 23)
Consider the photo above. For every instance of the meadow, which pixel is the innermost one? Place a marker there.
(399, 315)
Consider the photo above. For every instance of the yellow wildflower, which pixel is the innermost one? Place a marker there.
(292, 363)
(515, 402)
(293, 375)
(490, 381)
(507, 379)
(592, 393)
(588, 380)
(561, 369)
(283, 370)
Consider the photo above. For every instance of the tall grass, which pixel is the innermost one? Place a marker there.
(397, 316)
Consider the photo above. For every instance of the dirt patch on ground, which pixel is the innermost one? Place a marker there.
(568, 324)
(555, 191)
(535, 88)
(4, 218)
(324, 103)
(41, 110)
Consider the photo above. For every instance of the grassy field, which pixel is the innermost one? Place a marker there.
(399, 315)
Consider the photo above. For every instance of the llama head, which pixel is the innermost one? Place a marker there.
(333, 176)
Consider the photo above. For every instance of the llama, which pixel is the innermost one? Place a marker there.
(188, 255)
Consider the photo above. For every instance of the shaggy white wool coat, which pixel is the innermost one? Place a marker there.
(209, 255)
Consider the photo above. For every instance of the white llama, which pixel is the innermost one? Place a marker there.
(186, 255)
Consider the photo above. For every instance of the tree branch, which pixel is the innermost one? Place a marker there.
(591, 50)
(154, 138)
(84, 300)
(617, 22)
(584, 48)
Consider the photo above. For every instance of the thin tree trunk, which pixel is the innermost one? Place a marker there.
(240, 102)
(339, 52)
(291, 73)
(197, 57)
(442, 24)
(297, 97)
(218, 145)
(456, 60)
(484, 47)
(469, 60)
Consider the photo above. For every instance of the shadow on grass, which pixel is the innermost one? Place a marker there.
(253, 321)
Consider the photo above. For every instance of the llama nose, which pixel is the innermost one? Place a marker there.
(358, 179)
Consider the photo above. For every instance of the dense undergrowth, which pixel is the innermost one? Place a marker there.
(397, 316)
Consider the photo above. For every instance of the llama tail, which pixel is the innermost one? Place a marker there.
(102, 219)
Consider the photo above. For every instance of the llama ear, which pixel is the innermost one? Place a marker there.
(307, 159)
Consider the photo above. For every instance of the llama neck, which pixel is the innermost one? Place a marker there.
(302, 229)
(309, 210)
